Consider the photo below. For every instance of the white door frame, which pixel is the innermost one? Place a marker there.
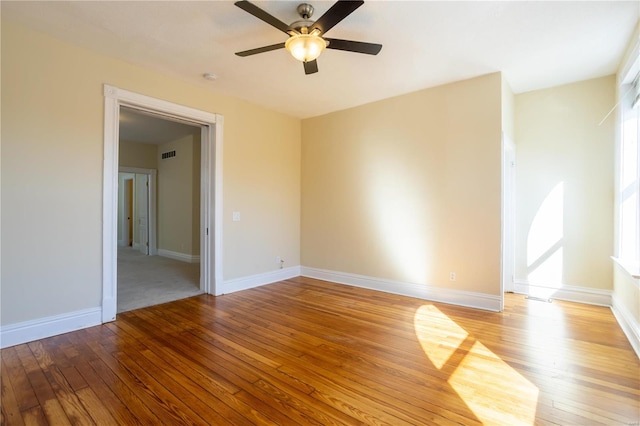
(151, 202)
(508, 217)
(210, 195)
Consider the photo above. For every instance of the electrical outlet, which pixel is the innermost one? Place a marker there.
(278, 259)
(236, 216)
(452, 276)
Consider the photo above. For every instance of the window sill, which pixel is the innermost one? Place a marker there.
(633, 270)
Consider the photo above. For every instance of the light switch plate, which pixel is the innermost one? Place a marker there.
(236, 216)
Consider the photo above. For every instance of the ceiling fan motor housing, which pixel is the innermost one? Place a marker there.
(305, 10)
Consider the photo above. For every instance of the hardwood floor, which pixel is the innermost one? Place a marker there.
(305, 351)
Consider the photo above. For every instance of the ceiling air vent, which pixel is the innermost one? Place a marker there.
(168, 154)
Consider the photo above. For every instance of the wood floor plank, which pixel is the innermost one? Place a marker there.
(252, 374)
(207, 356)
(398, 391)
(61, 388)
(166, 381)
(34, 417)
(118, 406)
(184, 408)
(233, 358)
(305, 409)
(226, 409)
(309, 352)
(15, 373)
(100, 413)
(55, 413)
(162, 406)
(217, 387)
(42, 387)
(202, 374)
(9, 408)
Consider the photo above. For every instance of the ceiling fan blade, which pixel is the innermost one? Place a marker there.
(336, 13)
(260, 50)
(354, 46)
(262, 15)
(310, 67)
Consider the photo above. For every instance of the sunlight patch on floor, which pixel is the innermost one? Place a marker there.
(438, 335)
(488, 385)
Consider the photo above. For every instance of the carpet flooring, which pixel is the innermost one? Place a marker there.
(150, 280)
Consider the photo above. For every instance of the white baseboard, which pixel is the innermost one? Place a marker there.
(437, 294)
(587, 295)
(28, 331)
(15, 334)
(183, 257)
(628, 323)
(245, 283)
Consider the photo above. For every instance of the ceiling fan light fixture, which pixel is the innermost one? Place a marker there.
(305, 37)
(305, 47)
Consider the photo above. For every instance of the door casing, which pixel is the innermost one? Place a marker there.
(508, 216)
(210, 188)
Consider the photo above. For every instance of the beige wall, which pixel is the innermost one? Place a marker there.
(136, 154)
(565, 185)
(179, 197)
(267, 187)
(508, 110)
(408, 188)
(55, 168)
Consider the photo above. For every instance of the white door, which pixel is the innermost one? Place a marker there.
(142, 211)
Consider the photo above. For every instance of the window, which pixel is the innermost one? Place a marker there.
(628, 188)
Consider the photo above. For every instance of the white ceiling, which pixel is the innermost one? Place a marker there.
(137, 126)
(425, 43)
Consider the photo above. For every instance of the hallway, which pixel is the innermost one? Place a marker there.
(150, 280)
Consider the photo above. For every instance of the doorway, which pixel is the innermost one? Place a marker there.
(163, 268)
(137, 217)
(210, 223)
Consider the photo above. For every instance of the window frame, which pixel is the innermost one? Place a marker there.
(629, 95)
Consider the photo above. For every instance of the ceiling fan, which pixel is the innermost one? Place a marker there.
(306, 38)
